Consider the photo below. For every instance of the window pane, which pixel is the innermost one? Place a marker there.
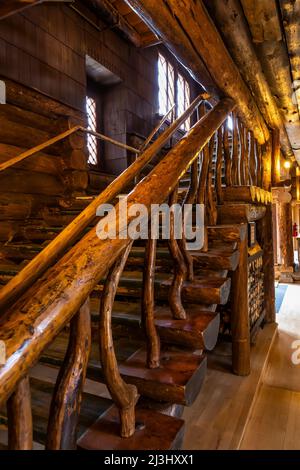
(162, 84)
(183, 90)
(92, 142)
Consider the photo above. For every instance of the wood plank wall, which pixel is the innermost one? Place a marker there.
(45, 48)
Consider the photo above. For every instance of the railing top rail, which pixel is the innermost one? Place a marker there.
(19, 283)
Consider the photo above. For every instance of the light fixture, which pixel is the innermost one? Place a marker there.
(287, 164)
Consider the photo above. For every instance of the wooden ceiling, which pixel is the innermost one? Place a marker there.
(148, 38)
(117, 14)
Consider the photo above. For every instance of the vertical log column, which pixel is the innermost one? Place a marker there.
(180, 269)
(236, 179)
(275, 156)
(240, 313)
(124, 395)
(20, 417)
(265, 238)
(227, 156)
(66, 400)
(148, 304)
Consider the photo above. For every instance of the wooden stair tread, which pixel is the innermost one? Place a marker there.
(201, 290)
(227, 232)
(178, 379)
(154, 431)
(199, 330)
(240, 213)
(218, 259)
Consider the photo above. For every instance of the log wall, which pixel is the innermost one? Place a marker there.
(46, 47)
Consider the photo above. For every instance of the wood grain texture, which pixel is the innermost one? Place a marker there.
(148, 305)
(125, 396)
(240, 327)
(66, 400)
(20, 417)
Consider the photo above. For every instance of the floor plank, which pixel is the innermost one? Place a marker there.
(218, 418)
(274, 422)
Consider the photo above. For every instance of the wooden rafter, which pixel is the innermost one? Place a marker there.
(188, 31)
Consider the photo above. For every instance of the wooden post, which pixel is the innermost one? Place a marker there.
(20, 417)
(276, 154)
(148, 305)
(285, 234)
(240, 313)
(66, 400)
(227, 156)
(218, 182)
(235, 154)
(180, 269)
(265, 238)
(125, 396)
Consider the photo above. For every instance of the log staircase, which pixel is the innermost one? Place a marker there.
(138, 317)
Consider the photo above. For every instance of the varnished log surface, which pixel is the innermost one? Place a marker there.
(240, 213)
(20, 417)
(66, 400)
(180, 269)
(227, 233)
(148, 305)
(125, 396)
(199, 331)
(154, 431)
(178, 379)
(240, 314)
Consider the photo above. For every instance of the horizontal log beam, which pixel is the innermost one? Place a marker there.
(230, 20)
(188, 31)
(66, 285)
(264, 21)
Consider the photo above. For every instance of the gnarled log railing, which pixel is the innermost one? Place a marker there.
(68, 236)
(66, 286)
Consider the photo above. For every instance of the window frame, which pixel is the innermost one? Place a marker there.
(178, 72)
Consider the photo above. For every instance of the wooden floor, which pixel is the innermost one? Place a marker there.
(218, 418)
(275, 418)
(261, 411)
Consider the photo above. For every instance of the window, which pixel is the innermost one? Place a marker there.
(173, 89)
(92, 142)
(166, 80)
(183, 99)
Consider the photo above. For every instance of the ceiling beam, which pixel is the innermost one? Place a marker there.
(290, 11)
(264, 21)
(229, 17)
(111, 15)
(188, 31)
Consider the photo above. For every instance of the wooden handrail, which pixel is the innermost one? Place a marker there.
(40, 314)
(18, 284)
(59, 138)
